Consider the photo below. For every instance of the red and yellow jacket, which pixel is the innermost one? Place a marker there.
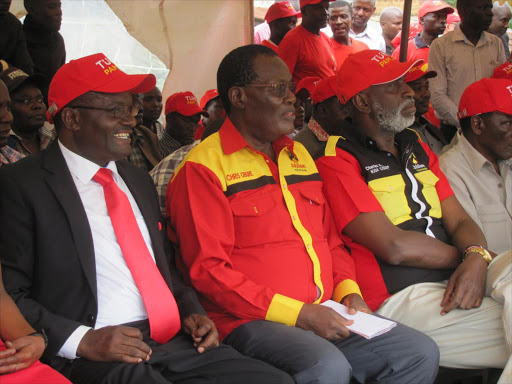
(256, 239)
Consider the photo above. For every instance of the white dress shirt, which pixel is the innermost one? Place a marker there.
(119, 300)
(371, 36)
(483, 193)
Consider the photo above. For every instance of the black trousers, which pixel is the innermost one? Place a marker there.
(179, 362)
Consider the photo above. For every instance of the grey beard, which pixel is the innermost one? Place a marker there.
(392, 121)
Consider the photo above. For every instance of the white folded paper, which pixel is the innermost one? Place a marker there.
(366, 325)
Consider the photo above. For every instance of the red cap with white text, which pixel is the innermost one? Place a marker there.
(95, 73)
(363, 69)
(486, 95)
(185, 103)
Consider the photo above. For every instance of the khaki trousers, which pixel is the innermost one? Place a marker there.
(476, 338)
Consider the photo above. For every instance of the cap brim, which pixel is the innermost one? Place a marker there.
(399, 70)
(193, 111)
(128, 83)
(419, 75)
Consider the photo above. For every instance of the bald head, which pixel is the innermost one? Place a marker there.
(391, 22)
(500, 19)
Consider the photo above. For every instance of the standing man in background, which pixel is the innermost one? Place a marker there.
(365, 30)
(391, 23)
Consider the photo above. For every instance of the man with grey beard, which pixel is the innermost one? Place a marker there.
(420, 259)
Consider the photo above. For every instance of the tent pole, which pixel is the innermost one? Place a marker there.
(404, 42)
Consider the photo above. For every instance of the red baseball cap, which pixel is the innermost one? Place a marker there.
(280, 10)
(363, 69)
(207, 97)
(185, 103)
(453, 18)
(325, 89)
(434, 6)
(303, 3)
(486, 95)
(419, 71)
(307, 83)
(92, 73)
(504, 71)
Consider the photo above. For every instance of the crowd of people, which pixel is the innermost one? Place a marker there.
(202, 250)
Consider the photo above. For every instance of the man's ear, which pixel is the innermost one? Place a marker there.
(361, 102)
(237, 97)
(477, 125)
(70, 119)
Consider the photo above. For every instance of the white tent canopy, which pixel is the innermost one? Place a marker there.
(187, 37)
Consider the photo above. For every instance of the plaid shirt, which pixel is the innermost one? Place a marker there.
(9, 155)
(46, 135)
(162, 173)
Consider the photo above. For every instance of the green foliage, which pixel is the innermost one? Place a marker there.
(453, 3)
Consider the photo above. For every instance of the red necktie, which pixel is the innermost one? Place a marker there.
(163, 314)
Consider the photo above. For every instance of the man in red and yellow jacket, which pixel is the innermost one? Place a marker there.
(258, 241)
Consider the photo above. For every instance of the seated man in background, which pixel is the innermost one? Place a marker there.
(305, 49)
(182, 116)
(407, 231)
(163, 172)
(151, 110)
(7, 154)
(281, 18)
(340, 21)
(417, 79)
(328, 115)
(84, 253)
(30, 132)
(258, 242)
(391, 23)
(146, 147)
(212, 105)
(479, 166)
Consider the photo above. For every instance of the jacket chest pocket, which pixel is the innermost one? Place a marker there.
(312, 205)
(256, 221)
(390, 193)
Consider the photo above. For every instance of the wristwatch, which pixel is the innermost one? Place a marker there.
(478, 249)
(43, 335)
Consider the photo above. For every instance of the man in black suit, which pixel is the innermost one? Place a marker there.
(64, 262)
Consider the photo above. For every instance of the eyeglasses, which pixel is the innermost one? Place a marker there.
(119, 112)
(279, 89)
(30, 100)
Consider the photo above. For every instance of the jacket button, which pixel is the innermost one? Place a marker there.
(91, 319)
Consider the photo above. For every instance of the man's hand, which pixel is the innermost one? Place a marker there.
(466, 286)
(21, 353)
(114, 343)
(356, 302)
(324, 321)
(202, 330)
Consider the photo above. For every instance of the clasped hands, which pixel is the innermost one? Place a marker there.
(21, 353)
(124, 344)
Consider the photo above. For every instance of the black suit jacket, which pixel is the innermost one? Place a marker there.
(46, 246)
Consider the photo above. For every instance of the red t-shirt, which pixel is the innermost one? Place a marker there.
(307, 54)
(271, 45)
(416, 49)
(341, 51)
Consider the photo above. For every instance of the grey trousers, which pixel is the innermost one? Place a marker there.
(402, 355)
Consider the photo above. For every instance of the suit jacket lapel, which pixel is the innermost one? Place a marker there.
(61, 183)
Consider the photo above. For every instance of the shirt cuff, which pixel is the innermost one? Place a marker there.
(346, 287)
(68, 350)
(284, 310)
